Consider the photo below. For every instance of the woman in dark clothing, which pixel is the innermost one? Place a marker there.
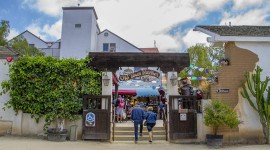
(151, 118)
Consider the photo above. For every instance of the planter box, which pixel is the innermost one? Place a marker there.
(214, 140)
(54, 135)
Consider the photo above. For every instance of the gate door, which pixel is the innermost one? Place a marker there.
(183, 117)
(96, 117)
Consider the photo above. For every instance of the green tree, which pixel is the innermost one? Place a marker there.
(203, 57)
(257, 89)
(49, 87)
(4, 32)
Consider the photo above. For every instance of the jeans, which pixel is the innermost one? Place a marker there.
(136, 123)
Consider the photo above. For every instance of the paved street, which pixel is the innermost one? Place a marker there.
(26, 143)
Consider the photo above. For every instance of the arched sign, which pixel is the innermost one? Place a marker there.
(138, 74)
(90, 119)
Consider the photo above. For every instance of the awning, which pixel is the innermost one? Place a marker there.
(125, 92)
(139, 92)
(147, 92)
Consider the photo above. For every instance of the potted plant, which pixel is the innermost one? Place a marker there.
(218, 114)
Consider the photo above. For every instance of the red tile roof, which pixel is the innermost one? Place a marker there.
(150, 50)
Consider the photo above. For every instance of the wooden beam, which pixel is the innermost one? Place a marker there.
(165, 61)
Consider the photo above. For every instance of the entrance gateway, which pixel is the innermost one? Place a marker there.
(98, 120)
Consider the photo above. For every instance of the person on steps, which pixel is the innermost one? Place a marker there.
(137, 115)
(151, 119)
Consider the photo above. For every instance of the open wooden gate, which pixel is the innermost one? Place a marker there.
(183, 117)
(96, 117)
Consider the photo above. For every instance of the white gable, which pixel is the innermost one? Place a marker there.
(107, 37)
(32, 39)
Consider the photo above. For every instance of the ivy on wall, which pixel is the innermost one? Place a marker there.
(49, 87)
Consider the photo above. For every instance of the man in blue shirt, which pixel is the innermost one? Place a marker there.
(137, 115)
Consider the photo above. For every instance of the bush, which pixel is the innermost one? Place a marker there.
(218, 114)
(49, 87)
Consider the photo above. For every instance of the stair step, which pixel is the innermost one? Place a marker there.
(132, 128)
(123, 132)
(143, 138)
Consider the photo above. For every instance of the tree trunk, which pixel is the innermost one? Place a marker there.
(265, 132)
(60, 124)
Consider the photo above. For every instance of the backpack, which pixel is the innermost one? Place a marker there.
(121, 104)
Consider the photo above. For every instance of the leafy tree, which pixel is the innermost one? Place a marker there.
(49, 87)
(4, 32)
(257, 89)
(21, 45)
(203, 57)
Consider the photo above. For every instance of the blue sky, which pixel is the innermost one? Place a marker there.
(169, 22)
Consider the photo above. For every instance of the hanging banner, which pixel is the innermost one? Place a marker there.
(138, 74)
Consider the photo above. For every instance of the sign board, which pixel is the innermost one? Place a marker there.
(138, 74)
(90, 119)
(183, 117)
(223, 90)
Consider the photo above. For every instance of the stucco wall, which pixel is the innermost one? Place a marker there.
(31, 128)
(31, 39)
(242, 60)
(76, 42)
(9, 121)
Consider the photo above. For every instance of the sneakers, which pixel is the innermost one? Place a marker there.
(150, 141)
(140, 134)
(136, 142)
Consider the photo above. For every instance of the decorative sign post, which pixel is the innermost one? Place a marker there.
(90, 119)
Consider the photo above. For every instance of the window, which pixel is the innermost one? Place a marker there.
(32, 45)
(112, 47)
(109, 47)
(106, 34)
(105, 47)
(78, 25)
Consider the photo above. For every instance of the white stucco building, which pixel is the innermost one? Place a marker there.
(80, 35)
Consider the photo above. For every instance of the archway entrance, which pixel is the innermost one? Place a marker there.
(169, 63)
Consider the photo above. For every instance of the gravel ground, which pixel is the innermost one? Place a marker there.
(28, 143)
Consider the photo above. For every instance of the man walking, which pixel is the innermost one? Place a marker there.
(137, 115)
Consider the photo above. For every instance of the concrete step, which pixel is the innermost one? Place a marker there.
(143, 138)
(145, 132)
(132, 128)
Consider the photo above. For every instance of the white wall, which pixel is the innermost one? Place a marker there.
(8, 119)
(31, 39)
(76, 42)
(262, 49)
(121, 45)
(94, 33)
(55, 52)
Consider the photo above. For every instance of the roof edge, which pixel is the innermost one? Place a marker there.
(120, 38)
(81, 8)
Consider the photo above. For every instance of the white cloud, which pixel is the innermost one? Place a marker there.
(46, 32)
(54, 30)
(192, 38)
(36, 30)
(252, 17)
(241, 4)
(13, 33)
(49, 7)
(143, 21)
